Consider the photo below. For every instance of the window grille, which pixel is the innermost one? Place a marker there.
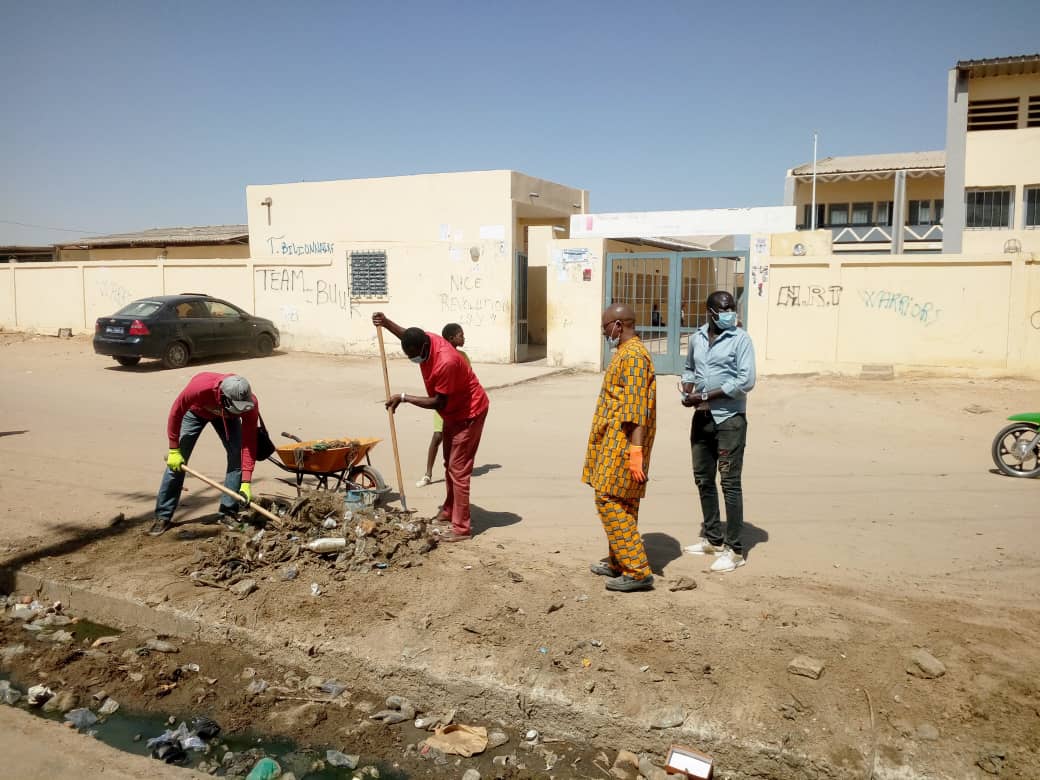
(990, 208)
(996, 114)
(1033, 112)
(368, 275)
(1033, 207)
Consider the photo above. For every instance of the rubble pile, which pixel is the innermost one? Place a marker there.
(315, 529)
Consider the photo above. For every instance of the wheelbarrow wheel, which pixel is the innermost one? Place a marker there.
(367, 478)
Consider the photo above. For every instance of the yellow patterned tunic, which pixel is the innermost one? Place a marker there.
(628, 395)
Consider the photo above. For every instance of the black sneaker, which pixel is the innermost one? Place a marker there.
(626, 584)
(159, 527)
(603, 569)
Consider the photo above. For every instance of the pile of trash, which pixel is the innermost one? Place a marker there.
(173, 746)
(315, 529)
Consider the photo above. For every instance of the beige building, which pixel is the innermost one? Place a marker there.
(196, 243)
(980, 194)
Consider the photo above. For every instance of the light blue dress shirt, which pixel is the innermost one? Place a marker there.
(728, 363)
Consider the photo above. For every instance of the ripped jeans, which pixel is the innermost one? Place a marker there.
(719, 448)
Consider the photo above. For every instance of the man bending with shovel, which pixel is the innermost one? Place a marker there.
(226, 402)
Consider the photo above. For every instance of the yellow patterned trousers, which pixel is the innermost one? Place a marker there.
(620, 517)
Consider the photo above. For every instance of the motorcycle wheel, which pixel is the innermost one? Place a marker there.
(1011, 462)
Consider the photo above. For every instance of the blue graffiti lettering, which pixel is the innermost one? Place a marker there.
(902, 305)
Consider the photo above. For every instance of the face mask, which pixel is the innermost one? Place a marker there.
(419, 358)
(614, 341)
(726, 320)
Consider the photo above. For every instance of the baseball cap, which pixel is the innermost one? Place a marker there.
(236, 394)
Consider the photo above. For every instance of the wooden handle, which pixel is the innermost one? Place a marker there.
(238, 496)
(390, 414)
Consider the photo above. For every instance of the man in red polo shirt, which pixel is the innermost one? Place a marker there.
(454, 391)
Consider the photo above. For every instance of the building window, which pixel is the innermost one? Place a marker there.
(1033, 115)
(988, 208)
(884, 213)
(368, 275)
(996, 114)
(919, 213)
(1033, 207)
(862, 213)
(807, 215)
(838, 214)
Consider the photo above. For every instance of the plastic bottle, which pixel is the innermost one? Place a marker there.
(265, 769)
(328, 544)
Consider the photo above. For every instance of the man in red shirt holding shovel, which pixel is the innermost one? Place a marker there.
(454, 391)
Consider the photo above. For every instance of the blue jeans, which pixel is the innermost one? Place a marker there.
(172, 481)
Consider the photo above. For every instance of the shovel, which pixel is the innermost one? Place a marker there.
(237, 496)
(393, 427)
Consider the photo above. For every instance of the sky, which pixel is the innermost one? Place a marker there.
(121, 116)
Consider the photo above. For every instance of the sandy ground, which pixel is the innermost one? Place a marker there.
(874, 521)
(35, 749)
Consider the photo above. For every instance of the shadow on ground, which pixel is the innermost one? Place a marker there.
(753, 536)
(149, 366)
(661, 549)
(480, 471)
(484, 519)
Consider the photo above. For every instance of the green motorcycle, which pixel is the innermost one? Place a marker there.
(1016, 449)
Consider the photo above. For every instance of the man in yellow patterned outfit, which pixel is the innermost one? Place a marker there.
(618, 454)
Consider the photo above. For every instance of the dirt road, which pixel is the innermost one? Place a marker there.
(874, 522)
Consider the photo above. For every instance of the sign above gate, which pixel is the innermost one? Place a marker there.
(674, 224)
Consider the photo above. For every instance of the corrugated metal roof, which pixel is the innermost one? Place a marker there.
(1016, 65)
(863, 163)
(177, 236)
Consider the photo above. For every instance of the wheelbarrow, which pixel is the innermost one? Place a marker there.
(344, 460)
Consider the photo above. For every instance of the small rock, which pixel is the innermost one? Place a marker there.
(501, 761)
(683, 583)
(161, 646)
(471, 774)
(290, 573)
(336, 758)
(582, 597)
(904, 727)
(669, 716)
(56, 636)
(515, 576)
(626, 760)
(651, 772)
(925, 665)
(135, 676)
(256, 687)
(992, 762)
(590, 686)
(62, 702)
(243, 588)
(927, 732)
(497, 739)
(531, 735)
(109, 707)
(806, 666)
(556, 606)
(101, 641)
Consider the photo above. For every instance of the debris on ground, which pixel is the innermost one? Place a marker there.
(806, 666)
(372, 537)
(683, 583)
(398, 710)
(925, 665)
(459, 740)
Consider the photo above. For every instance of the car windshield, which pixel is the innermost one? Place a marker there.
(139, 309)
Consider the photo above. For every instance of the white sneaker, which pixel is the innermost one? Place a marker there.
(423, 482)
(701, 547)
(728, 561)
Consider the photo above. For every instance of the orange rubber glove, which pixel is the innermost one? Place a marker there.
(635, 462)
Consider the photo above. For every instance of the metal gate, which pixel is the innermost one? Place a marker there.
(520, 308)
(668, 293)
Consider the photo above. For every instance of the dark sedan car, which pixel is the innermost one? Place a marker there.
(177, 328)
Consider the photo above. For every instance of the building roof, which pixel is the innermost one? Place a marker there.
(1001, 66)
(864, 163)
(177, 236)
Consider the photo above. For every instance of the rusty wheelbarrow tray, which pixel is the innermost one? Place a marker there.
(345, 459)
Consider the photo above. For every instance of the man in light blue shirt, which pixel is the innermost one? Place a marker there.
(718, 375)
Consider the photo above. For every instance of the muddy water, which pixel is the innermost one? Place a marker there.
(130, 732)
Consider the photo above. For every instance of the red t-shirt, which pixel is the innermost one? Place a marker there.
(446, 372)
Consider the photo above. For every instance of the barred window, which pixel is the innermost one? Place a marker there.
(1033, 111)
(368, 275)
(1033, 207)
(996, 114)
(990, 208)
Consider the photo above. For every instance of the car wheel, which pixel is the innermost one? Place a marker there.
(264, 344)
(176, 355)
(128, 361)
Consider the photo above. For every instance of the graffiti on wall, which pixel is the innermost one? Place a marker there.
(278, 245)
(901, 305)
(466, 302)
(809, 295)
(113, 291)
(1034, 319)
(314, 290)
(759, 278)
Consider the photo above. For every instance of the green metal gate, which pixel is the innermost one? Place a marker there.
(668, 293)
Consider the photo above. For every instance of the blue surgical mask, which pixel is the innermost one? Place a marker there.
(417, 359)
(614, 341)
(726, 320)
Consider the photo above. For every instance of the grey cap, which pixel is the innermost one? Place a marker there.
(236, 394)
